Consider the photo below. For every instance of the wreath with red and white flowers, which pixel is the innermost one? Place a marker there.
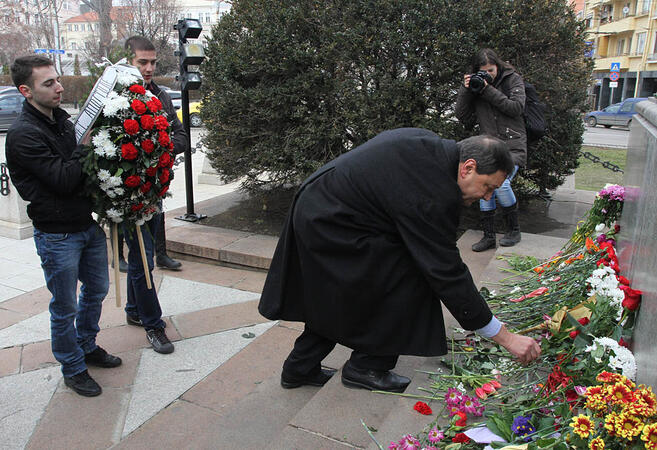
(129, 166)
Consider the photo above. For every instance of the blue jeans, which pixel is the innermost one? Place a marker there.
(504, 195)
(65, 258)
(143, 302)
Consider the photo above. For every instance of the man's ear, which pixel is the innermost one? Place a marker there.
(467, 167)
(25, 90)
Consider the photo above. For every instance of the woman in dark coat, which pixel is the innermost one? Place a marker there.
(498, 108)
(369, 251)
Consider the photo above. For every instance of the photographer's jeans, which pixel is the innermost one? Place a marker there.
(504, 195)
(143, 302)
(65, 259)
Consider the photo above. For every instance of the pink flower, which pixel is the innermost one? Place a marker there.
(436, 435)
(488, 388)
(472, 406)
(453, 396)
(408, 442)
(581, 390)
(481, 393)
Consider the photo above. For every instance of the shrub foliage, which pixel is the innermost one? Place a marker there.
(290, 85)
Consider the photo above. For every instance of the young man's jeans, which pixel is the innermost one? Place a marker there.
(65, 259)
(143, 302)
(504, 195)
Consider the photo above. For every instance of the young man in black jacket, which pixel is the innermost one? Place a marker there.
(143, 306)
(43, 160)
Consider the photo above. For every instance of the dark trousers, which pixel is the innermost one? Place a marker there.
(143, 302)
(160, 238)
(310, 349)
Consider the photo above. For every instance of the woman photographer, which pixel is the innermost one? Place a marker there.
(494, 97)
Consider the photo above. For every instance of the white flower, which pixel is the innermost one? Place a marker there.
(599, 227)
(104, 175)
(515, 289)
(114, 215)
(620, 358)
(114, 103)
(125, 78)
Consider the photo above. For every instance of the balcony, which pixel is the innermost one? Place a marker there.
(604, 64)
(625, 24)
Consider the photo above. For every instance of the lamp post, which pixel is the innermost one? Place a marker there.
(190, 54)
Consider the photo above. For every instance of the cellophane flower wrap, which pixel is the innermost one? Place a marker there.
(129, 165)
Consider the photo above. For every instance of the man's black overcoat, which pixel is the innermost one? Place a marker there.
(369, 249)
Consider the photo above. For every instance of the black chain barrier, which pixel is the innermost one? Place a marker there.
(596, 159)
(181, 157)
(4, 179)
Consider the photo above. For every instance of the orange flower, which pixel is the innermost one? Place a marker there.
(597, 444)
(620, 394)
(590, 246)
(582, 425)
(649, 435)
(628, 426)
(608, 377)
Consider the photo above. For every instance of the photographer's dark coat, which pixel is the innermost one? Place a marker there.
(369, 249)
(499, 110)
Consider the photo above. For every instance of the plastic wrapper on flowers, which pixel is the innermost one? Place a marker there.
(128, 165)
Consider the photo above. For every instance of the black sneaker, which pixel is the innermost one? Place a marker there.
(133, 320)
(100, 358)
(166, 262)
(83, 384)
(159, 340)
(123, 265)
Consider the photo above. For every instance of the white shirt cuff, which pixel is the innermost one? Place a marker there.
(490, 330)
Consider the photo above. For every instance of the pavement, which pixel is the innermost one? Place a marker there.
(220, 388)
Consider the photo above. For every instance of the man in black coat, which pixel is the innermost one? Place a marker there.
(369, 252)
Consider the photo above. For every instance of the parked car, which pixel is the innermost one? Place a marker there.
(10, 107)
(194, 115)
(8, 90)
(619, 114)
(175, 96)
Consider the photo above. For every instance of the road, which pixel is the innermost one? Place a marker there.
(606, 137)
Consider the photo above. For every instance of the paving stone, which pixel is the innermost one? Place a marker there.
(217, 319)
(476, 261)
(201, 240)
(163, 378)
(37, 356)
(118, 377)
(10, 361)
(127, 337)
(541, 247)
(252, 251)
(32, 329)
(24, 398)
(9, 318)
(7, 292)
(298, 439)
(243, 279)
(30, 303)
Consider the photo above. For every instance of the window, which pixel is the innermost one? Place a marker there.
(627, 107)
(645, 6)
(69, 27)
(74, 46)
(75, 27)
(640, 42)
(620, 47)
(207, 17)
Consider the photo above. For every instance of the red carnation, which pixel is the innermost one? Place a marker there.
(165, 159)
(164, 176)
(138, 106)
(573, 334)
(151, 171)
(623, 280)
(461, 437)
(138, 89)
(131, 126)
(147, 145)
(128, 152)
(461, 421)
(146, 187)
(632, 297)
(616, 228)
(161, 123)
(163, 191)
(137, 207)
(154, 104)
(170, 146)
(147, 122)
(584, 320)
(163, 138)
(624, 343)
(133, 181)
(422, 408)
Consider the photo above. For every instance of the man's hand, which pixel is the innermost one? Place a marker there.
(522, 347)
(466, 80)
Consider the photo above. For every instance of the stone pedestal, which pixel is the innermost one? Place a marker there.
(208, 175)
(14, 222)
(637, 246)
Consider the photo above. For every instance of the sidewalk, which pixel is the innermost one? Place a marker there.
(219, 389)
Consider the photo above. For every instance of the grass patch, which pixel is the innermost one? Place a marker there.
(590, 176)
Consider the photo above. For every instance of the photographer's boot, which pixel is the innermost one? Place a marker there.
(512, 236)
(488, 225)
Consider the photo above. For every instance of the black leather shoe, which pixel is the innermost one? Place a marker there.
(374, 380)
(100, 358)
(159, 340)
(83, 384)
(165, 262)
(123, 265)
(133, 320)
(319, 379)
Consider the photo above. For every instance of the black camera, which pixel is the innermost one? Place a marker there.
(478, 81)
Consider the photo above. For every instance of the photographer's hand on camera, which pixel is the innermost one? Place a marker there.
(466, 80)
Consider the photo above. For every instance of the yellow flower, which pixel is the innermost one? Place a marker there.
(582, 425)
(620, 394)
(649, 435)
(610, 423)
(597, 444)
(646, 402)
(628, 426)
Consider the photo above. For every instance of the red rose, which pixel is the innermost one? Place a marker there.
(170, 146)
(461, 437)
(138, 89)
(146, 187)
(138, 106)
(163, 191)
(133, 181)
(147, 145)
(161, 123)
(147, 122)
(616, 228)
(128, 152)
(461, 421)
(165, 159)
(137, 207)
(163, 138)
(422, 408)
(151, 171)
(573, 334)
(624, 343)
(131, 126)
(154, 104)
(623, 280)
(164, 176)
(632, 297)
(584, 321)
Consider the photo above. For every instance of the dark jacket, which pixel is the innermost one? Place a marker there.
(42, 156)
(498, 110)
(179, 135)
(369, 249)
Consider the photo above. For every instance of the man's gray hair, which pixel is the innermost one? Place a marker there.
(490, 153)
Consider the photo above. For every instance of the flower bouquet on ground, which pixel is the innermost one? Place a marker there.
(129, 164)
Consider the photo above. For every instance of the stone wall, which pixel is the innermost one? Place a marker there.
(637, 246)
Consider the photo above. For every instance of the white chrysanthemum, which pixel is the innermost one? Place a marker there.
(119, 190)
(114, 215)
(104, 175)
(620, 358)
(126, 78)
(114, 103)
(515, 289)
(103, 145)
(115, 181)
(140, 222)
(599, 227)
